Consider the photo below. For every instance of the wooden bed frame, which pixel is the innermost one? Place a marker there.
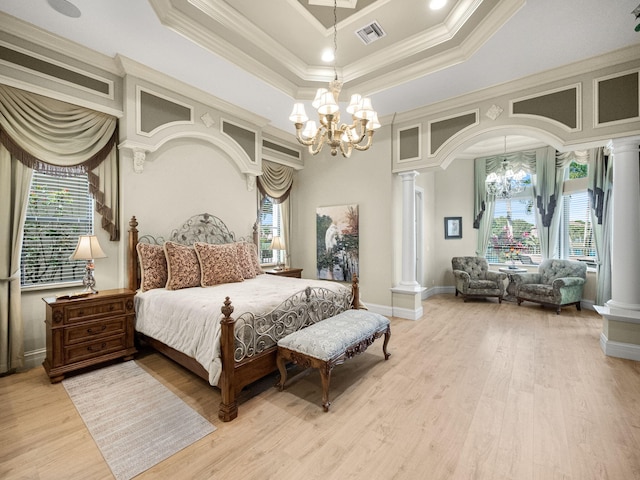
(235, 375)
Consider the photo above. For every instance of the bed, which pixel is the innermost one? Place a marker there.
(225, 332)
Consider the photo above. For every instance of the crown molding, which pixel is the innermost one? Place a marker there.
(135, 69)
(33, 34)
(565, 72)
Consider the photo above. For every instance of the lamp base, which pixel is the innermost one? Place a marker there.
(278, 267)
(88, 280)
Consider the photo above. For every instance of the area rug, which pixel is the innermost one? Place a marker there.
(134, 419)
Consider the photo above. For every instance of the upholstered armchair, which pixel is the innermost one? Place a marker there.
(474, 279)
(558, 283)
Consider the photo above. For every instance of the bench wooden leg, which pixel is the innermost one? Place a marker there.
(282, 367)
(387, 336)
(325, 376)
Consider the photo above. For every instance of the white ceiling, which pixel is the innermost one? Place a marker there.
(261, 55)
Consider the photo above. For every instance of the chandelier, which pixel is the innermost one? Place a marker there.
(505, 183)
(358, 135)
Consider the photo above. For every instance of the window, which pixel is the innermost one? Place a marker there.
(514, 236)
(270, 226)
(576, 240)
(59, 209)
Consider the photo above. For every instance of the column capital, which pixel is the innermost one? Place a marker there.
(408, 176)
(625, 144)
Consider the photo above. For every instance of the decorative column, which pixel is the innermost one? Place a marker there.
(407, 295)
(621, 327)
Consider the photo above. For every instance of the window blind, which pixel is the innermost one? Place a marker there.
(270, 226)
(59, 210)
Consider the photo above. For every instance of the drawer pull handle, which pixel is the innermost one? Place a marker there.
(91, 349)
(92, 331)
(81, 313)
(112, 308)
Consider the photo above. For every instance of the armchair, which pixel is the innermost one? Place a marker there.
(474, 279)
(558, 283)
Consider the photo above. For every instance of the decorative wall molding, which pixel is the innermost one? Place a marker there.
(553, 106)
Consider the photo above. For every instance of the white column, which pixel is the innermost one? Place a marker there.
(625, 254)
(620, 335)
(409, 231)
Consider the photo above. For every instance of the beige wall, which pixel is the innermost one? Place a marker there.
(364, 179)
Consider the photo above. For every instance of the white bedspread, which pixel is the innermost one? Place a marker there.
(188, 320)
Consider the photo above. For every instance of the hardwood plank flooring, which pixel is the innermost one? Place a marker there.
(475, 390)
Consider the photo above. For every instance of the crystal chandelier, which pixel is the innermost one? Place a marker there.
(505, 183)
(344, 137)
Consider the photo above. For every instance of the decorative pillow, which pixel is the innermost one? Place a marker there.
(245, 261)
(153, 266)
(182, 265)
(253, 252)
(218, 263)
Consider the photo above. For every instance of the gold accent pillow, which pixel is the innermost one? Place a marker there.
(182, 265)
(218, 263)
(153, 266)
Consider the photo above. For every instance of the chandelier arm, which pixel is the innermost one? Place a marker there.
(319, 144)
(346, 152)
(361, 148)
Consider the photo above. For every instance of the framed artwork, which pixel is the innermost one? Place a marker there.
(337, 242)
(452, 227)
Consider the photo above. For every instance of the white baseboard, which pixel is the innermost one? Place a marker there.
(407, 314)
(381, 309)
(627, 351)
(431, 291)
(34, 358)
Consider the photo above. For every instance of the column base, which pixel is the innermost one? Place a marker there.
(620, 332)
(407, 301)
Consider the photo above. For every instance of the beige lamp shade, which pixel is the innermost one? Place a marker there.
(277, 244)
(88, 248)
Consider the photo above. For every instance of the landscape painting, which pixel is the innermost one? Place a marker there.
(337, 242)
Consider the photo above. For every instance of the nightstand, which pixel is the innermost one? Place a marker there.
(286, 272)
(82, 332)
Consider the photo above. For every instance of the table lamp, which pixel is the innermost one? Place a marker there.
(88, 249)
(277, 244)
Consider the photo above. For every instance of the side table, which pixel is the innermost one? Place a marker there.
(511, 294)
(286, 272)
(87, 330)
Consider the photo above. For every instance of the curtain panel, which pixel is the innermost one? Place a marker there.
(63, 139)
(276, 182)
(15, 179)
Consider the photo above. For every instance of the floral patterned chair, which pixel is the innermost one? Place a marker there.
(474, 279)
(558, 283)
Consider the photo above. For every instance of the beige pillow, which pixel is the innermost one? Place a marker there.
(183, 267)
(218, 263)
(153, 266)
(245, 261)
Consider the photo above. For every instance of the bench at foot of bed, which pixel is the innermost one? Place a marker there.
(330, 342)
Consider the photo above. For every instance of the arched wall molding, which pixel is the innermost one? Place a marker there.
(458, 147)
(228, 146)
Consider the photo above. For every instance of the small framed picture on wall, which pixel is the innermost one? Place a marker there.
(452, 227)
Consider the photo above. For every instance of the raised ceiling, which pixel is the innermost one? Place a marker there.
(261, 55)
(283, 39)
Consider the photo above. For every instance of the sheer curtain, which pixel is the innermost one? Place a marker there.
(276, 182)
(484, 205)
(600, 176)
(59, 138)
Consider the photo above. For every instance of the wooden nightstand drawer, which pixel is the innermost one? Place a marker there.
(286, 272)
(91, 331)
(97, 348)
(83, 312)
(83, 331)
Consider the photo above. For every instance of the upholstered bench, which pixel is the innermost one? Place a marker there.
(330, 342)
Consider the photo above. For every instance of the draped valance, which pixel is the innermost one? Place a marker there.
(275, 181)
(63, 139)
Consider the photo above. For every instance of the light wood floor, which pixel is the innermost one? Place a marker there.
(472, 390)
